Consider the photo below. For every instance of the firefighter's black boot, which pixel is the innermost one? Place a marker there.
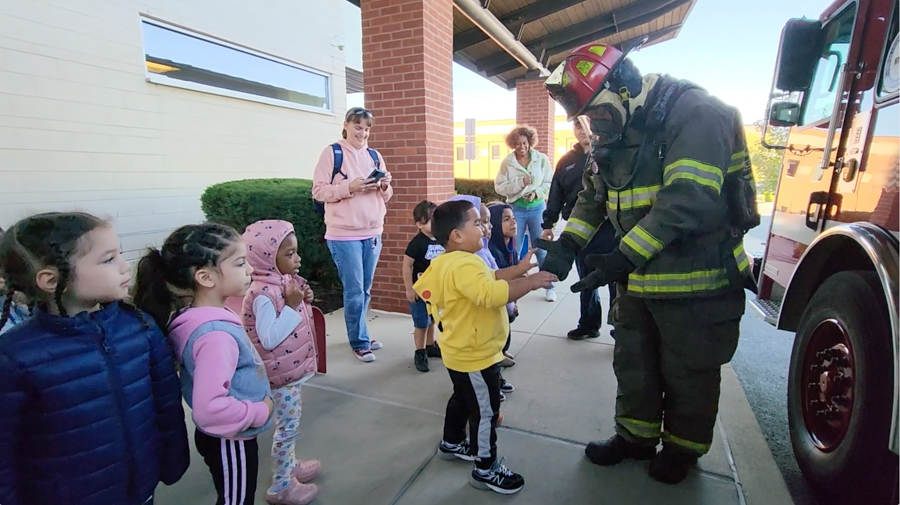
(672, 465)
(616, 449)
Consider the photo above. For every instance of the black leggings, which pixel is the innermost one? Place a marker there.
(233, 465)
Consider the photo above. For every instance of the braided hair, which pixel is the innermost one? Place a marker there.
(165, 273)
(50, 240)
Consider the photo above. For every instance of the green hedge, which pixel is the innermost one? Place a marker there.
(482, 188)
(240, 203)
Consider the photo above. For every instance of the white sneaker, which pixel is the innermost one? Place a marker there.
(550, 295)
(375, 345)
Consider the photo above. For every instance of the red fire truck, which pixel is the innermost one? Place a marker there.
(830, 269)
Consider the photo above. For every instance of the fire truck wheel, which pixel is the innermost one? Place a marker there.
(840, 392)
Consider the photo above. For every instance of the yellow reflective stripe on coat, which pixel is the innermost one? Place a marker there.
(692, 170)
(741, 258)
(579, 228)
(641, 242)
(632, 198)
(737, 162)
(640, 429)
(691, 282)
(696, 447)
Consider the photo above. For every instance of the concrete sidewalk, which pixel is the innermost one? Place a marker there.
(376, 426)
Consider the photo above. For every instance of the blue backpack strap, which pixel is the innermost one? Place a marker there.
(374, 154)
(338, 160)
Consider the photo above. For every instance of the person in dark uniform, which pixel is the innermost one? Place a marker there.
(564, 189)
(672, 174)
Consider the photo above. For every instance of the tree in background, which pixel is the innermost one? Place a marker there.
(766, 162)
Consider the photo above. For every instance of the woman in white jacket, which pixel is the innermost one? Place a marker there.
(524, 180)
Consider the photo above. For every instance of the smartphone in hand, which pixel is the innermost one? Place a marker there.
(376, 175)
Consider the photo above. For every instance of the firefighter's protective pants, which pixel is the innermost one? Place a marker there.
(667, 360)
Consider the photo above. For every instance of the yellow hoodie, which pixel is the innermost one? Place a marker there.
(470, 304)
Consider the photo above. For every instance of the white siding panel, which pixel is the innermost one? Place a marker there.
(82, 129)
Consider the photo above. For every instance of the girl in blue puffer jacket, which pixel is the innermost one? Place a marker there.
(91, 403)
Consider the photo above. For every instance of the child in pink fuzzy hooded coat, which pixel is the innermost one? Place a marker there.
(277, 316)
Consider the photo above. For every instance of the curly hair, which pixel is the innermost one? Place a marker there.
(526, 131)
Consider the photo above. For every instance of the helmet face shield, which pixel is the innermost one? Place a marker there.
(576, 81)
(557, 84)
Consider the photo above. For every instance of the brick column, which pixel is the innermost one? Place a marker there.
(408, 85)
(535, 107)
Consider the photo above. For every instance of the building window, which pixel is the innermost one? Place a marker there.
(792, 168)
(460, 153)
(495, 152)
(178, 58)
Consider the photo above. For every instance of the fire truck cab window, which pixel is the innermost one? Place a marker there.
(820, 98)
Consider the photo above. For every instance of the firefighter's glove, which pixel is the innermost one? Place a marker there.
(607, 268)
(560, 255)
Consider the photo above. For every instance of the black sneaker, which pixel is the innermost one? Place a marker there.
(671, 465)
(502, 397)
(421, 360)
(497, 478)
(433, 350)
(581, 334)
(616, 449)
(506, 387)
(455, 451)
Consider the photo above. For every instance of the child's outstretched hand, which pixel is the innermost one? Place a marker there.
(542, 279)
(293, 297)
(526, 262)
(411, 295)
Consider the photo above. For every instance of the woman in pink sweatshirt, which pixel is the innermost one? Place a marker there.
(354, 219)
(223, 378)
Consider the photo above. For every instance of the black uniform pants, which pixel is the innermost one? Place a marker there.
(476, 402)
(233, 465)
(667, 359)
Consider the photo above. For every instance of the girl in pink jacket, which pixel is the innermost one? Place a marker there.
(278, 319)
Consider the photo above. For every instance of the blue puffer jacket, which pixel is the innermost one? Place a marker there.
(90, 410)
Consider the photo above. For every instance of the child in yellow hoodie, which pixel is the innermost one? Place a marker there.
(468, 304)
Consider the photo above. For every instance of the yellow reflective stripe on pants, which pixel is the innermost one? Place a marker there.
(692, 170)
(737, 161)
(640, 429)
(740, 257)
(632, 198)
(579, 228)
(696, 447)
(691, 282)
(641, 242)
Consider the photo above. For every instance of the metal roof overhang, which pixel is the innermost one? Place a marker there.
(550, 29)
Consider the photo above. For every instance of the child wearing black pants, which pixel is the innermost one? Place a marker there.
(233, 465)
(468, 303)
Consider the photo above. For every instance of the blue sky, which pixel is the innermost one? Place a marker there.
(726, 46)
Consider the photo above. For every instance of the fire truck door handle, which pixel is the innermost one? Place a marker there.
(819, 200)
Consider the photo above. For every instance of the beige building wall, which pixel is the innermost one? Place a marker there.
(82, 129)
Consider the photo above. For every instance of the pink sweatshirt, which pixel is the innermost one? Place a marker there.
(349, 215)
(215, 356)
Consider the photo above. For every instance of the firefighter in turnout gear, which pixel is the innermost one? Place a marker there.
(671, 171)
